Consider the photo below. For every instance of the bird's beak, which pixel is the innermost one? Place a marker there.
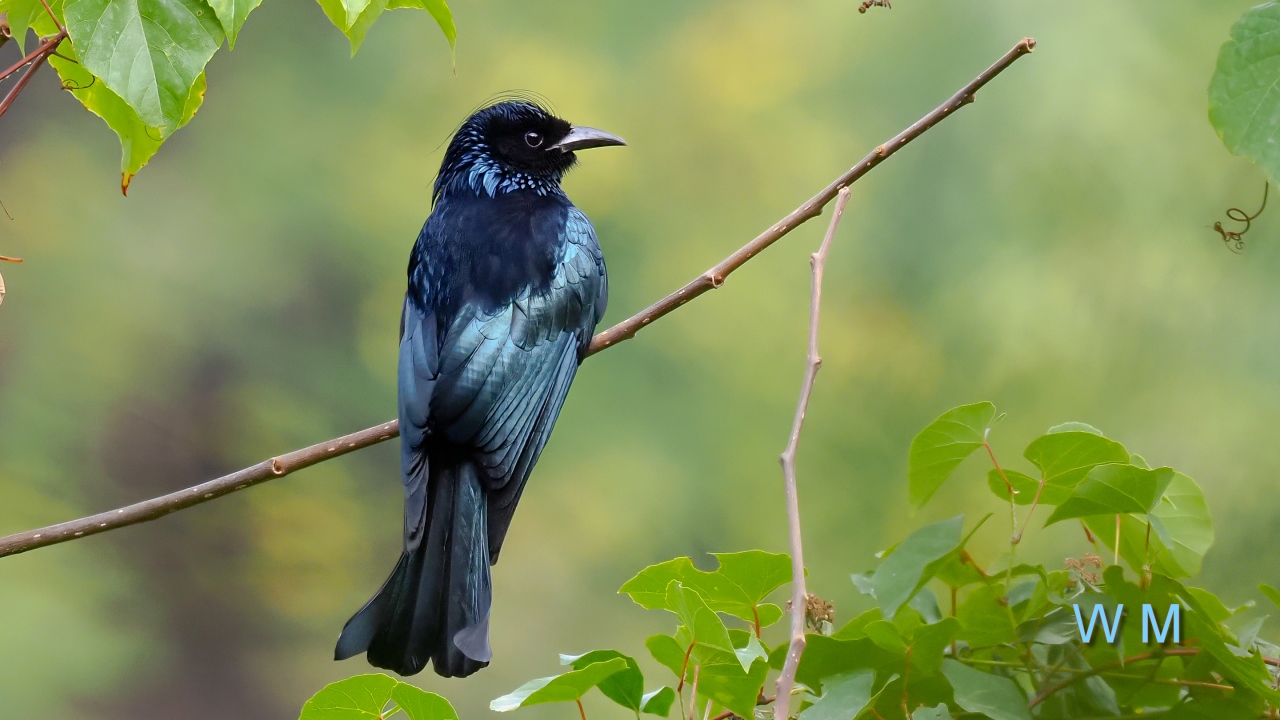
(581, 138)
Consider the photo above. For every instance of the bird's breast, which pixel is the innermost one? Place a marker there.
(490, 251)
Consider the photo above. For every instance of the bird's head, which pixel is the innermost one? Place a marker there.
(514, 145)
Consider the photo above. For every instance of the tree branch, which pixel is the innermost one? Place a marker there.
(799, 595)
(715, 277)
(625, 330)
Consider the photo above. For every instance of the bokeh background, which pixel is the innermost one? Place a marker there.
(1049, 249)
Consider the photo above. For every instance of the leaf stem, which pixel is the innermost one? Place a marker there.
(1117, 548)
(693, 694)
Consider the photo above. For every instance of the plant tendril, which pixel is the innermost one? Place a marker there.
(1235, 240)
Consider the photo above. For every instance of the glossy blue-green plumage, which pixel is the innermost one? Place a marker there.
(506, 286)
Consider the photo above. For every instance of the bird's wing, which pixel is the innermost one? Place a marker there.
(419, 370)
(503, 375)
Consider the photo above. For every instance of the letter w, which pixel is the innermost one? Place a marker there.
(1108, 631)
(1149, 623)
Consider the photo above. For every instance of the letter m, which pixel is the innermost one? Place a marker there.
(1108, 629)
(1149, 625)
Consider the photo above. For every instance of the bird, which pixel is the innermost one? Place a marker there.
(506, 284)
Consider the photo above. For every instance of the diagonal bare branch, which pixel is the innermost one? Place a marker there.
(284, 464)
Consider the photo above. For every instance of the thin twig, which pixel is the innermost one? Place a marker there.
(36, 59)
(715, 277)
(52, 17)
(625, 330)
(1035, 503)
(799, 594)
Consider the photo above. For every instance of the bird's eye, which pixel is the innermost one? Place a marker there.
(533, 139)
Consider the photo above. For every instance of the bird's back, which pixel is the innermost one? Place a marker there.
(514, 286)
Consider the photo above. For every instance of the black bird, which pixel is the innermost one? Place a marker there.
(506, 286)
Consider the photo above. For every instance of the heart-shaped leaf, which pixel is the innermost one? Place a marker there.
(1114, 490)
(943, 445)
(148, 52)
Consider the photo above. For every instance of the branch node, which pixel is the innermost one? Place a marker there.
(277, 467)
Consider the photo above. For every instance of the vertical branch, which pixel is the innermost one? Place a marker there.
(799, 596)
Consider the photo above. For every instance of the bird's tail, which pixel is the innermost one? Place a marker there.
(436, 603)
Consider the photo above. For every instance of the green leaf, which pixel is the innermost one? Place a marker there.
(1272, 594)
(1239, 705)
(356, 33)
(913, 562)
(826, 657)
(1249, 632)
(844, 697)
(658, 702)
(752, 652)
(232, 14)
(625, 687)
(720, 677)
(362, 696)
(706, 627)
(419, 704)
(1244, 94)
(754, 575)
(978, 692)
(667, 651)
(928, 642)
(943, 445)
(932, 713)
(985, 620)
(345, 13)
(1024, 485)
(885, 634)
(856, 628)
(769, 614)
(1182, 521)
(1065, 457)
(1114, 490)
(558, 688)
(149, 52)
(737, 587)
(1212, 607)
(138, 141)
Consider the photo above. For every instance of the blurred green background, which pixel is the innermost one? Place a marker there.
(1049, 249)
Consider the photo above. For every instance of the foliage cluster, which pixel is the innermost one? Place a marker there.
(140, 64)
(1006, 641)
